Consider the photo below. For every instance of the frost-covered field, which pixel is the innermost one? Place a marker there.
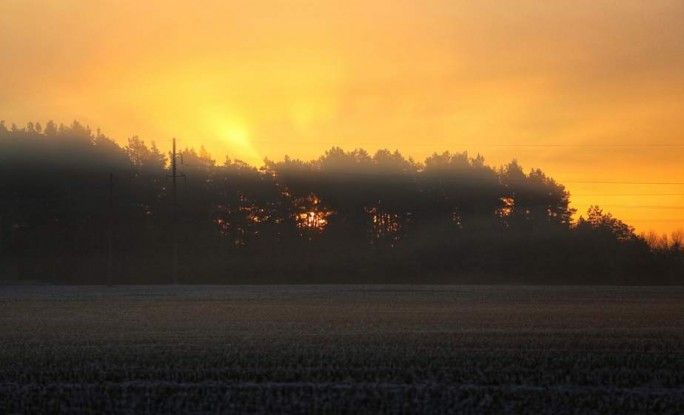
(341, 349)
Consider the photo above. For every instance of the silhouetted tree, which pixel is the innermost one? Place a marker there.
(143, 157)
(344, 217)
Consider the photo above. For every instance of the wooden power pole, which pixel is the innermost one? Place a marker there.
(110, 230)
(174, 217)
(174, 210)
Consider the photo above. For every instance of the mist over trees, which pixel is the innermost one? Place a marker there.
(348, 216)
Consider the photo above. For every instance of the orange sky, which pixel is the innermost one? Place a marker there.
(585, 90)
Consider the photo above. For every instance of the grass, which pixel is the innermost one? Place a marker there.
(341, 349)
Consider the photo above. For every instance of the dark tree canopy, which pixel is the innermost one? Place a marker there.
(347, 216)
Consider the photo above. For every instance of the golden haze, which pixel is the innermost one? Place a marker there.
(589, 91)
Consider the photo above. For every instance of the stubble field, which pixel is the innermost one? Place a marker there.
(341, 349)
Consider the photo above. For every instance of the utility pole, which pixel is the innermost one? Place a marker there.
(110, 230)
(174, 210)
(174, 218)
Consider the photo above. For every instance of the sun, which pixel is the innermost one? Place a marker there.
(234, 134)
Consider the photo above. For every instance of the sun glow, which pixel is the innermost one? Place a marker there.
(234, 135)
(312, 215)
(581, 90)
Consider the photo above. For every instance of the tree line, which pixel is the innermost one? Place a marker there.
(77, 207)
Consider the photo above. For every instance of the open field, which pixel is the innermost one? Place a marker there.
(341, 349)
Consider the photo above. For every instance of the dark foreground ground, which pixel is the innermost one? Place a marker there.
(341, 349)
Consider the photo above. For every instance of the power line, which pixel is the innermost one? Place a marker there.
(627, 220)
(620, 182)
(550, 145)
(573, 145)
(626, 194)
(644, 206)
